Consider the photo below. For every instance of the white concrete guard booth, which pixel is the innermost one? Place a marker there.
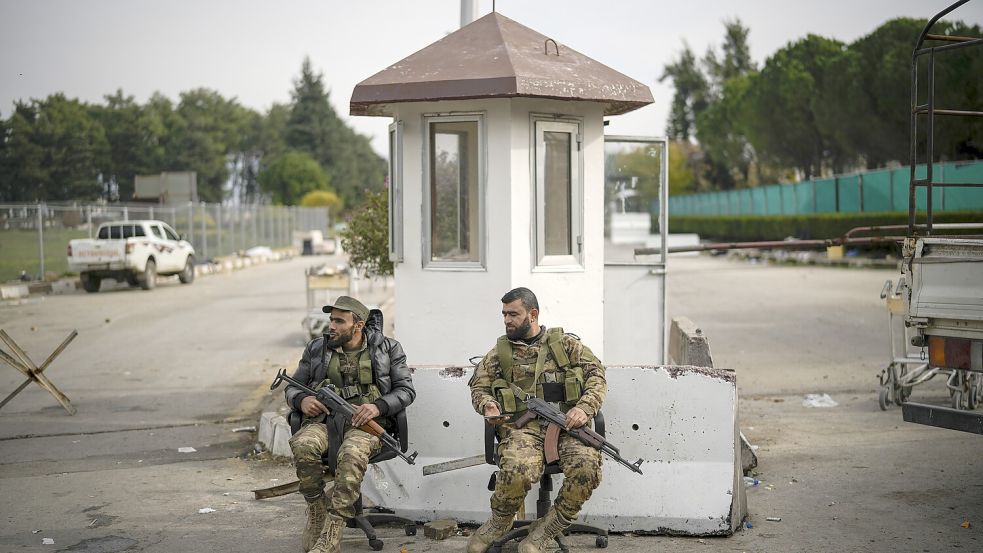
(497, 181)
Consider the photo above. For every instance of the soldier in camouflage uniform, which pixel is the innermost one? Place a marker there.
(369, 370)
(558, 368)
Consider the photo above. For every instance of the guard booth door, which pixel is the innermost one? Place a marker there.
(636, 191)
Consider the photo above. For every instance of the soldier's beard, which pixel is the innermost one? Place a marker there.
(335, 340)
(520, 331)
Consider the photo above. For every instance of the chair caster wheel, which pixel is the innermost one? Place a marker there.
(376, 545)
(410, 529)
(601, 541)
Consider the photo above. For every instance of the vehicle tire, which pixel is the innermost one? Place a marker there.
(957, 400)
(187, 275)
(149, 278)
(90, 283)
(882, 398)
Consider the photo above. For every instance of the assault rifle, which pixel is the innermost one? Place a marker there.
(556, 421)
(339, 407)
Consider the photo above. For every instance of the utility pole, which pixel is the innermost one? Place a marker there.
(468, 9)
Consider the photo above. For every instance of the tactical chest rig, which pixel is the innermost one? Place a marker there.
(362, 389)
(565, 386)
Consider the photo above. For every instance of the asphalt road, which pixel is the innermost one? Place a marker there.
(181, 366)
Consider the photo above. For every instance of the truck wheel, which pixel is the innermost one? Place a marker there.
(90, 283)
(149, 278)
(187, 275)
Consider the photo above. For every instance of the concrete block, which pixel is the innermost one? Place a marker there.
(440, 529)
(65, 286)
(14, 291)
(265, 429)
(281, 438)
(749, 459)
(688, 345)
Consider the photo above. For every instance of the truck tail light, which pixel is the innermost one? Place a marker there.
(955, 353)
(129, 247)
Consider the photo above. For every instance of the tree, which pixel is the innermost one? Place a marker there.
(292, 175)
(135, 142)
(209, 127)
(690, 97)
(315, 128)
(321, 198)
(54, 151)
(367, 237)
(785, 102)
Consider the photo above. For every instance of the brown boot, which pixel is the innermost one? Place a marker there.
(330, 539)
(543, 531)
(496, 527)
(317, 510)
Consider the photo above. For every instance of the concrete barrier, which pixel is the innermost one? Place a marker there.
(14, 291)
(682, 421)
(688, 345)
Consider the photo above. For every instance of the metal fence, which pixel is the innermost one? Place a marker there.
(871, 191)
(34, 237)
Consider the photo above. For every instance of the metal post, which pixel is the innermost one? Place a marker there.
(218, 227)
(204, 237)
(88, 219)
(151, 216)
(126, 213)
(41, 238)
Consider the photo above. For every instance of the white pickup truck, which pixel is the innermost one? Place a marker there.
(134, 251)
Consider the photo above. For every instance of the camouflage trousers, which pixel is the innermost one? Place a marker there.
(521, 460)
(310, 443)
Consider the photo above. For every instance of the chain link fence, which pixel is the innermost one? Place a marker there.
(34, 237)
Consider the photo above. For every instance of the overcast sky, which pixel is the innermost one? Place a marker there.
(252, 50)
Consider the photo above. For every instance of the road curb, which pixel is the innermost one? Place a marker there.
(211, 267)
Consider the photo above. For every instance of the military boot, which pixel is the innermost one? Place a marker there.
(330, 539)
(543, 531)
(317, 510)
(496, 527)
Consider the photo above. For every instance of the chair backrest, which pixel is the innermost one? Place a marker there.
(491, 438)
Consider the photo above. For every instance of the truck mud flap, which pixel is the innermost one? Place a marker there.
(943, 417)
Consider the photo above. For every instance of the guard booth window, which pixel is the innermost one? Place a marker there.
(454, 218)
(559, 237)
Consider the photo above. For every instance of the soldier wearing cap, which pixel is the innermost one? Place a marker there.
(556, 367)
(369, 370)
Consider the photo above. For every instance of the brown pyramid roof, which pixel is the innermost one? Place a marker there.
(495, 57)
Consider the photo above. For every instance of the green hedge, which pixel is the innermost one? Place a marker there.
(817, 226)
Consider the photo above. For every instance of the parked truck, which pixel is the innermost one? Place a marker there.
(132, 251)
(942, 274)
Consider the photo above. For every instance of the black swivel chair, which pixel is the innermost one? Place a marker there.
(376, 515)
(543, 502)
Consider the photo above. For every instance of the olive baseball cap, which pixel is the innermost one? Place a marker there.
(348, 303)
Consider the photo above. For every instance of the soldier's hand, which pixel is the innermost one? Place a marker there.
(576, 417)
(312, 407)
(364, 413)
(493, 415)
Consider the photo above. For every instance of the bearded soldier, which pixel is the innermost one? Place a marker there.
(368, 370)
(558, 368)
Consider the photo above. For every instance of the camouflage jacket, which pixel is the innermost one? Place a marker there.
(524, 356)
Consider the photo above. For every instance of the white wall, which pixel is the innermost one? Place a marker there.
(431, 301)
